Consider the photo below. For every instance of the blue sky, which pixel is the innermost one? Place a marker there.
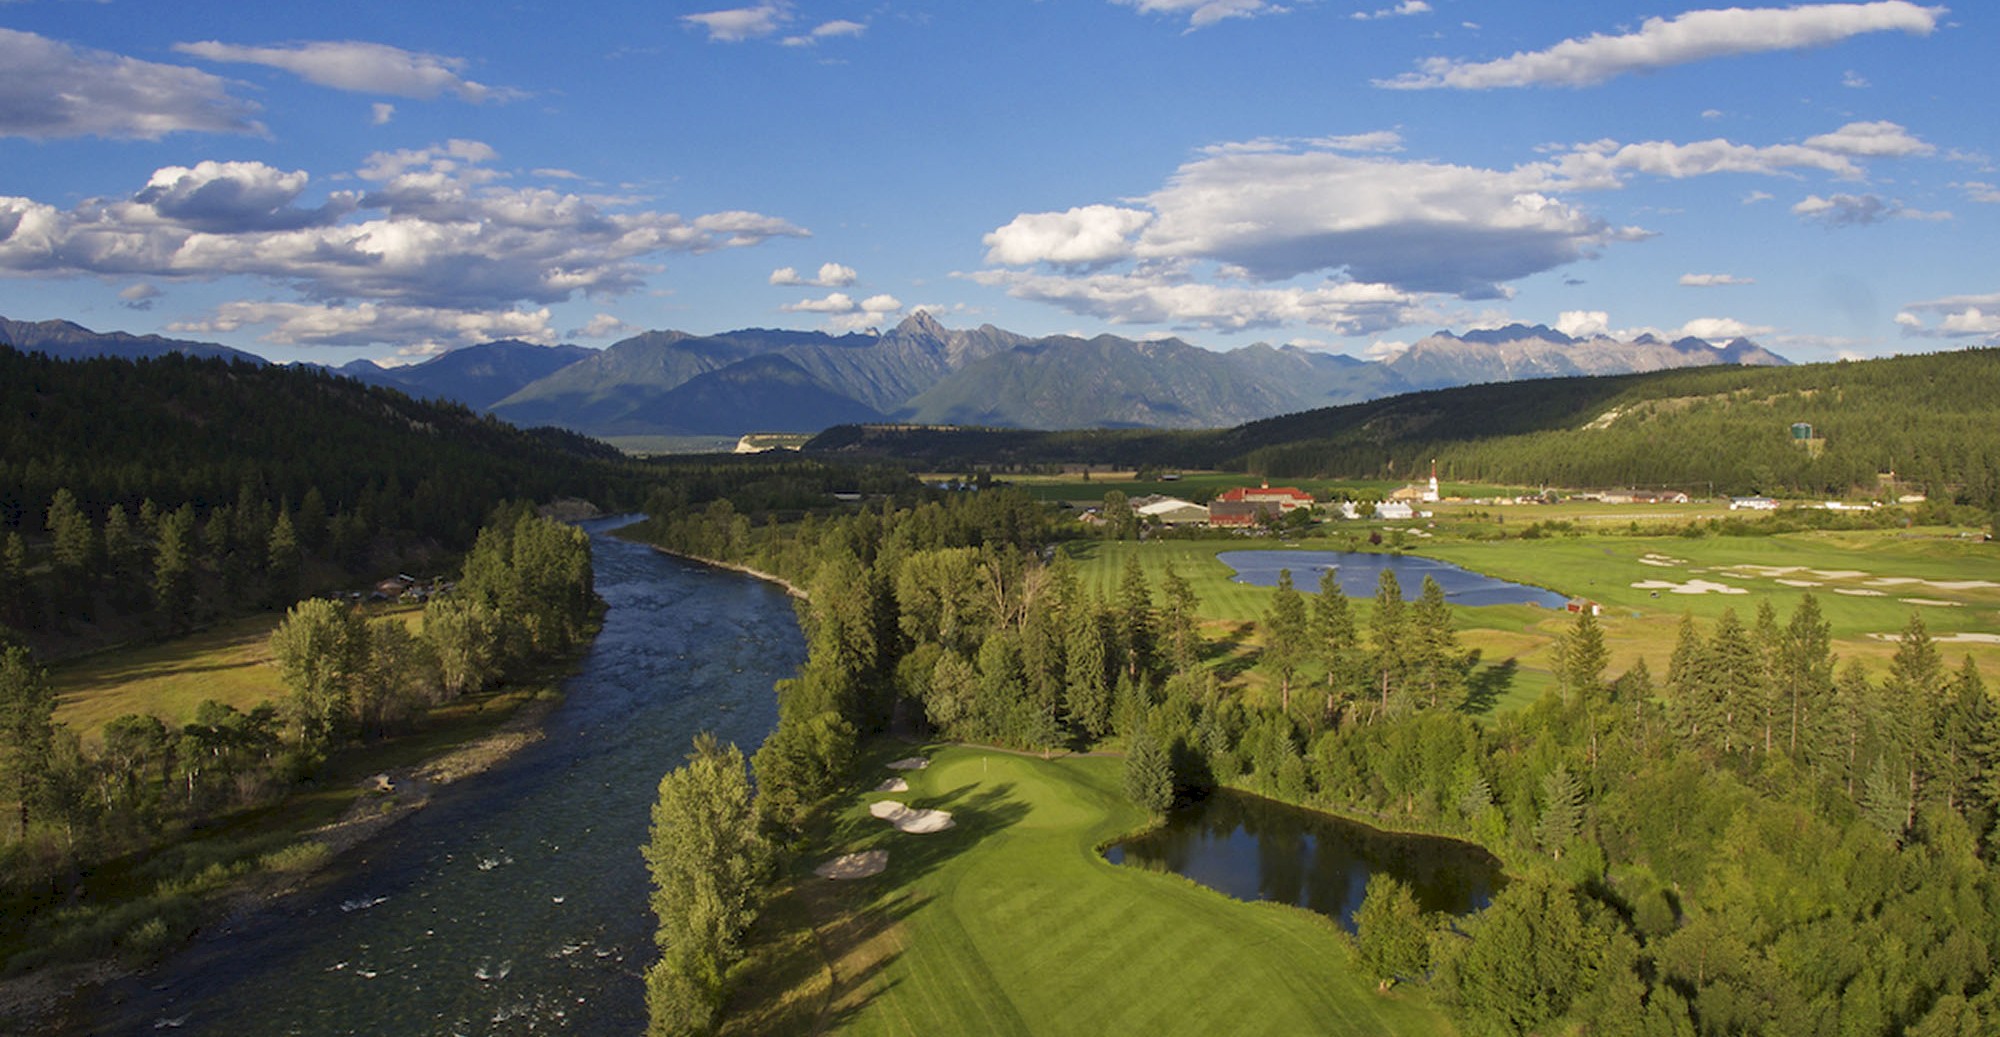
(328, 182)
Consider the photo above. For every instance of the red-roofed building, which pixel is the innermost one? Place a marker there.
(1242, 505)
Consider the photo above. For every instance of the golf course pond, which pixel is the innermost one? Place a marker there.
(1359, 571)
(1258, 849)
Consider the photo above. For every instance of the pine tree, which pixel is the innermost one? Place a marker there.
(1390, 930)
(1336, 640)
(173, 567)
(1135, 619)
(1386, 629)
(1581, 658)
(1285, 633)
(1437, 663)
(1804, 674)
(1562, 811)
(73, 541)
(281, 561)
(1087, 697)
(27, 728)
(1149, 775)
(1178, 632)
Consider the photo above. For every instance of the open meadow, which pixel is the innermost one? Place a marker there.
(1011, 922)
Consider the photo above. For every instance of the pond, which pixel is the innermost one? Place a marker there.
(1258, 849)
(1358, 572)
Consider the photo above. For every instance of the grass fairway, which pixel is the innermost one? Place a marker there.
(1011, 923)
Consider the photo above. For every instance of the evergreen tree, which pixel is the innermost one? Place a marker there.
(1285, 636)
(15, 602)
(1437, 664)
(1135, 619)
(1178, 633)
(1088, 691)
(1581, 658)
(72, 540)
(1386, 629)
(27, 729)
(1692, 716)
(1562, 811)
(1336, 640)
(1390, 930)
(173, 567)
(1804, 675)
(282, 561)
(1149, 776)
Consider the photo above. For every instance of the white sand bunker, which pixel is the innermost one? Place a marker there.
(1661, 561)
(1948, 639)
(916, 822)
(1934, 602)
(854, 865)
(1837, 574)
(1963, 585)
(1893, 581)
(910, 763)
(1801, 583)
(893, 785)
(1690, 587)
(1858, 592)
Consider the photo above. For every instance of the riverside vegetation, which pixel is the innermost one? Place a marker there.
(525, 597)
(1747, 836)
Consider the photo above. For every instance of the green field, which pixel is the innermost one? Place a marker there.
(1012, 923)
(1868, 583)
(229, 662)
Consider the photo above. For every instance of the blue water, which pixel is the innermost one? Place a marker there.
(1259, 849)
(516, 902)
(1358, 572)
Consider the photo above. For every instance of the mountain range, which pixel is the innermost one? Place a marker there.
(767, 380)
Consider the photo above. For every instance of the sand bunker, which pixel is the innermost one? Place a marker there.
(1893, 581)
(1664, 563)
(854, 865)
(916, 822)
(893, 785)
(1859, 592)
(1801, 583)
(910, 763)
(1948, 639)
(1837, 574)
(1963, 585)
(1933, 602)
(1690, 587)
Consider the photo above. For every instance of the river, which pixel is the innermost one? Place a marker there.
(516, 901)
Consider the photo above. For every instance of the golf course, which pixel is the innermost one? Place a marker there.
(1009, 921)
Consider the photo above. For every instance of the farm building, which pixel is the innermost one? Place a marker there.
(1752, 504)
(1172, 511)
(1285, 498)
(1225, 514)
(1395, 510)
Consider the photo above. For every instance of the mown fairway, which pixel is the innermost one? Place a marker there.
(1011, 923)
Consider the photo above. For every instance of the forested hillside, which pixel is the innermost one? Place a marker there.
(1934, 420)
(176, 488)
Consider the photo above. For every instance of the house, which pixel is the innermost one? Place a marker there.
(1659, 497)
(1752, 504)
(1172, 511)
(1348, 510)
(1394, 510)
(1584, 605)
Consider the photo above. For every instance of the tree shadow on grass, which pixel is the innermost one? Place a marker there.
(1488, 685)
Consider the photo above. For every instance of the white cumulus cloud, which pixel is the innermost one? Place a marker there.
(1713, 280)
(1584, 323)
(52, 90)
(831, 275)
(1164, 296)
(1872, 140)
(737, 24)
(602, 325)
(1407, 7)
(1665, 42)
(1203, 13)
(417, 329)
(1082, 236)
(1956, 316)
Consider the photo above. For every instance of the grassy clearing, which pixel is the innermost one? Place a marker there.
(1011, 923)
(229, 662)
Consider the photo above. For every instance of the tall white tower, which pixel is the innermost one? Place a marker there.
(1431, 494)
